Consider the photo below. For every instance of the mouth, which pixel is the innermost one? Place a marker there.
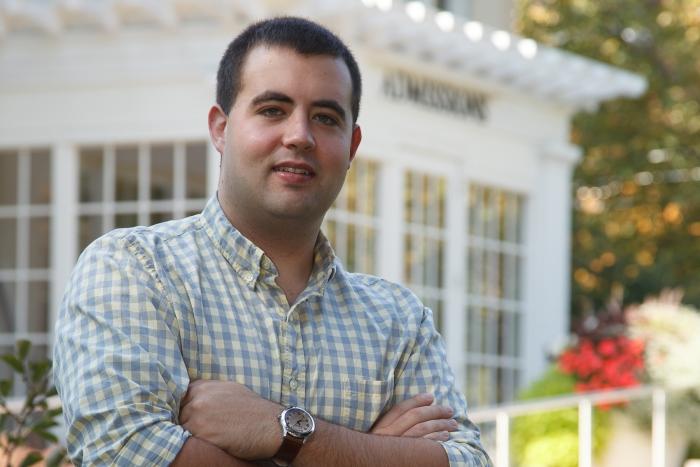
(292, 170)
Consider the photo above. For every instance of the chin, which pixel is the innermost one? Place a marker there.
(298, 213)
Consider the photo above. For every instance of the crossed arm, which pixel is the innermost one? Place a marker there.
(120, 368)
(233, 426)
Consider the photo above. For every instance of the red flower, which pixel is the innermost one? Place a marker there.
(606, 364)
(607, 347)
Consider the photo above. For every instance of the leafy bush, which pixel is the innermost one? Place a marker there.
(550, 439)
(34, 419)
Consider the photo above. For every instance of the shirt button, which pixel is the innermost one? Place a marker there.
(247, 276)
(293, 384)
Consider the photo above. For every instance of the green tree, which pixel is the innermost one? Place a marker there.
(636, 225)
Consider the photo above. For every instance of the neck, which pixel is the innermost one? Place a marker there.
(288, 243)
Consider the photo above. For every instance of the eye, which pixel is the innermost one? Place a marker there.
(327, 119)
(271, 112)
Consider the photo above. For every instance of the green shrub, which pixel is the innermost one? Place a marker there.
(550, 439)
(34, 419)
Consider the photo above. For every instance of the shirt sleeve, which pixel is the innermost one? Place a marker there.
(118, 366)
(426, 370)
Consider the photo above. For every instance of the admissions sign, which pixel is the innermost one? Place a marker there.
(435, 94)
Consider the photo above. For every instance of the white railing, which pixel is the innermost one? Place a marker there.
(502, 415)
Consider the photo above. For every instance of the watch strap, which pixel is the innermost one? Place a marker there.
(291, 446)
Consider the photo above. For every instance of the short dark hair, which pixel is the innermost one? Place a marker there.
(303, 36)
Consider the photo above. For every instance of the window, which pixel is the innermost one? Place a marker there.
(424, 239)
(458, 7)
(25, 256)
(494, 297)
(351, 223)
(128, 185)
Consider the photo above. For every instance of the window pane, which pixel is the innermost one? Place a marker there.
(39, 353)
(162, 172)
(8, 243)
(125, 220)
(7, 306)
(90, 229)
(5, 370)
(158, 217)
(196, 176)
(127, 173)
(37, 321)
(39, 234)
(40, 184)
(8, 177)
(91, 174)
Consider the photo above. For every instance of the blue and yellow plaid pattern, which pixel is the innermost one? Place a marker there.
(150, 309)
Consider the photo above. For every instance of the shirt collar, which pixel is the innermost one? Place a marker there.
(250, 262)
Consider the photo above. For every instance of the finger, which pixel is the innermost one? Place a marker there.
(431, 426)
(185, 412)
(419, 415)
(188, 394)
(439, 436)
(402, 407)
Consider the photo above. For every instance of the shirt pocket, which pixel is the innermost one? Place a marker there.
(362, 402)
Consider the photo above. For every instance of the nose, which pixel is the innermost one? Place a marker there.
(298, 134)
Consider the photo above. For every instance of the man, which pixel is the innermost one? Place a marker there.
(184, 342)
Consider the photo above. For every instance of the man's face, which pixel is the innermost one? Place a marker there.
(289, 138)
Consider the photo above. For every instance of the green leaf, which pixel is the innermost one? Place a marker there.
(44, 423)
(31, 459)
(55, 412)
(56, 457)
(6, 387)
(39, 370)
(47, 435)
(13, 361)
(52, 391)
(23, 347)
(3, 419)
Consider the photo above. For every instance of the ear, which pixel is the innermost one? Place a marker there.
(355, 142)
(217, 127)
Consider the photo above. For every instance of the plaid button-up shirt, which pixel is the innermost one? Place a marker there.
(150, 309)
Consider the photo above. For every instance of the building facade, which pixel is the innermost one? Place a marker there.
(460, 190)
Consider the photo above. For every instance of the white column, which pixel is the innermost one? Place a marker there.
(180, 175)
(391, 230)
(547, 265)
(454, 325)
(213, 158)
(64, 223)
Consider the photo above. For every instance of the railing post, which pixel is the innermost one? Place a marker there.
(658, 428)
(502, 440)
(585, 433)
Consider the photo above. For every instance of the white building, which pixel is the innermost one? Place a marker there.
(461, 188)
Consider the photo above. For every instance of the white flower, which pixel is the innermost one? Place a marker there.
(671, 333)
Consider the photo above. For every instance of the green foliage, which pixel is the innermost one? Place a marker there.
(33, 418)
(550, 439)
(637, 190)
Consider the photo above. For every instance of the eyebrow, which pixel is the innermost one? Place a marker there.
(280, 97)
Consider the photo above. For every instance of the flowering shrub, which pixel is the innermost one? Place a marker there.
(657, 342)
(612, 362)
(672, 335)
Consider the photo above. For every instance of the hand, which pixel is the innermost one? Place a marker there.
(416, 418)
(232, 417)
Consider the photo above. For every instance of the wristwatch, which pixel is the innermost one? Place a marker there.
(297, 426)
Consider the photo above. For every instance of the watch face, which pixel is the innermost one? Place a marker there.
(298, 421)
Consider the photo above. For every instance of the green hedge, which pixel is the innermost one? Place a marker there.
(550, 439)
